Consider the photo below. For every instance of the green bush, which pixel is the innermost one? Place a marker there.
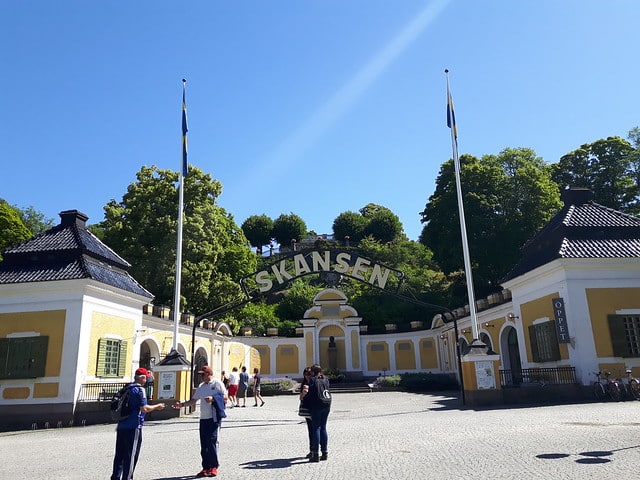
(334, 375)
(274, 386)
(390, 381)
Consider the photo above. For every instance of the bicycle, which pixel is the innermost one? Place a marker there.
(632, 386)
(610, 389)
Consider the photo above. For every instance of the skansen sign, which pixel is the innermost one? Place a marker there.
(309, 262)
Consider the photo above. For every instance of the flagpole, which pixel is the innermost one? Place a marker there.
(183, 173)
(451, 123)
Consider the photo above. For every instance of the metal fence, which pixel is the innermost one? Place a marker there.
(538, 376)
(102, 392)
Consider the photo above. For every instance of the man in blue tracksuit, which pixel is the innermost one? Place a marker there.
(129, 430)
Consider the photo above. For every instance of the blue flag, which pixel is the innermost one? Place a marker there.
(185, 167)
(451, 115)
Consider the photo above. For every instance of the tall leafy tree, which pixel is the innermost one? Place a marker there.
(606, 166)
(35, 220)
(373, 220)
(383, 224)
(349, 224)
(507, 198)
(258, 229)
(634, 138)
(142, 229)
(12, 228)
(288, 227)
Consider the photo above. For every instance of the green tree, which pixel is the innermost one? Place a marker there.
(297, 299)
(422, 281)
(12, 227)
(634, 138)
(258, 229)
(507, 198)
(142, 229)
(373, 220)
(287, 228)
(34, 220)
(605, 166)
(383, 225)
(349, 224)
(258, 316)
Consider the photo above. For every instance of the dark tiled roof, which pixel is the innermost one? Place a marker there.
(582, 229)
(67, 252)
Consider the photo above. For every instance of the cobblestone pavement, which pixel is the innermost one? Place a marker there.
(390, 435)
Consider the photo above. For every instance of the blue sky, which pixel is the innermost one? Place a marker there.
(310, 107)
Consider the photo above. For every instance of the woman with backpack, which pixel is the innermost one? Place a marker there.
(316, 397)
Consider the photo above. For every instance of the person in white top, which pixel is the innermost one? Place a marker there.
(234, 381)
(214, 394)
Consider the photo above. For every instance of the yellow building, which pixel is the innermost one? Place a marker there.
(72, 318)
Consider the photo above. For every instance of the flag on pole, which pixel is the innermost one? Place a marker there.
(451, 114)
(185, 167)
(451, 123)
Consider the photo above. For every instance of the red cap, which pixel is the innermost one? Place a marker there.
(206, 369)
(143, 372)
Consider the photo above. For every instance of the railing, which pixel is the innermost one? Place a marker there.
(102, 392)
(538, 376)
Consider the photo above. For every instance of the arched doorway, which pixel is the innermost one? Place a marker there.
(199, 361)
(149, 354)
(512, 358)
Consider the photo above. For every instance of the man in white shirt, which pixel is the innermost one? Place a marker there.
(234, 381)
(212, 391)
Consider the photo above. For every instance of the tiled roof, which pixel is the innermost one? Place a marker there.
(581, 229)
(600, 248)
(67, 252)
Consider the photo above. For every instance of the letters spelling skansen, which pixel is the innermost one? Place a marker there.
(321, 262)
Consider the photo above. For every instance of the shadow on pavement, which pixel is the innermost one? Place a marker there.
(593, 457)
(273, 463)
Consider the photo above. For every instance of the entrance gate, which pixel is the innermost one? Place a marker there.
(331, 265)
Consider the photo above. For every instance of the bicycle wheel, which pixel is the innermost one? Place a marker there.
(614, 391)
(634, 388)
(598, 391)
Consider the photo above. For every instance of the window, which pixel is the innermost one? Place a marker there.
(112, 357)
(544, 342)
(23, 357)
(625, 335)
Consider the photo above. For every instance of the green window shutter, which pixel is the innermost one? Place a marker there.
(24, 357)
(618, 336)
(533, 339)
(122, 359)
(102, 353)
(552, 338)
(4, 357)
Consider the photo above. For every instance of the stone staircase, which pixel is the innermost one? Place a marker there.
(350, 387)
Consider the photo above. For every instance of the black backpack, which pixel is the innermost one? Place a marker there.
(322, 392)
(120, 408)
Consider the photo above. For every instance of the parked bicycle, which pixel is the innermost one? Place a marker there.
(610, 388)
(630, 388)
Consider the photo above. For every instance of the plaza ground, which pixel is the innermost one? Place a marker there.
(390, 435)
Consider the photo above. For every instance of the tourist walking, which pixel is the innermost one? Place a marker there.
(214, 394)
(317, 399)
(256, 387)
(234, 381)
(243, 386)
(129, 430)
